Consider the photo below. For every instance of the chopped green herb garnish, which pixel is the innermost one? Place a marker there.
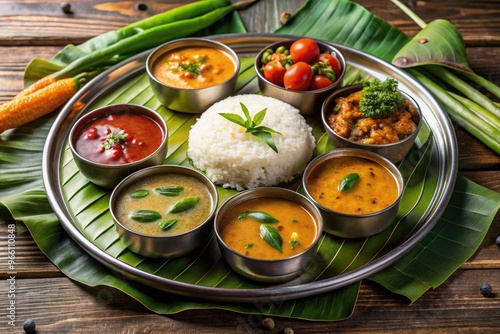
(293, 220)
(112, 139)
(252, 126)
(248, 246)
(381, 99)
(294, 243)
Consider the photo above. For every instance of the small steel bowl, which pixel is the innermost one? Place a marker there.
(191, 100)
(168, 246)
(271, 271)
(109, 175)
(308, 102)
(395, 152)
(355, 225)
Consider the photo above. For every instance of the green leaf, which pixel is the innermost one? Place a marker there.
(438, 43)
(140, 193)
(259, 117)
(348, 181)
(184, 204)
(173, 190)
(168, 224)
(259, 216)
(235, 118)
(145, 216)
(266, 137)
(271, 236)
(249, 123)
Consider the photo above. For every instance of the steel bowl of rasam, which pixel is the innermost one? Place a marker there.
(164, 211)
(357, 191)
(191, 74)
(113, 141)
(268, 234)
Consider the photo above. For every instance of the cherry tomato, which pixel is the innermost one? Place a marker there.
(298, 76)
(331, 61)
(319, 82)
(304, 49)
(274, 72)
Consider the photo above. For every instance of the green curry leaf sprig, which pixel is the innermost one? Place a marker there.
(381, 99)
(253, 126)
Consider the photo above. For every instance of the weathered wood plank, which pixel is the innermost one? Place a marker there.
(43, 22)
(59, 305)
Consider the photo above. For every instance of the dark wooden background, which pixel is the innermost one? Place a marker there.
(30, 28)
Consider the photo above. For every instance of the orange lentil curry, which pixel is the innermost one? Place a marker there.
(194, 67)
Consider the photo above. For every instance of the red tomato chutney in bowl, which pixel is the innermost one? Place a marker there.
(119, 138)
(112, 142)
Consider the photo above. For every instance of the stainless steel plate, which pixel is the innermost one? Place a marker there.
(444, 153)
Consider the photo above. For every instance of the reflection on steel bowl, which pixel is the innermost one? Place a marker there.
(114, 141)
(268, 234)
(357, 191)
(391, 137)
(164, 211)
(191, 74)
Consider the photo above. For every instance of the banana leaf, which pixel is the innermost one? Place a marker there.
(439, 42)
(22, 195)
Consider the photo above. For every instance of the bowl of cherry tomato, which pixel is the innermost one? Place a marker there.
(301, 72)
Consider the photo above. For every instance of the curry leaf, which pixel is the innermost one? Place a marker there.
(260, 216)
(235, 118)
(145, 216)
(173, 190)
(184, 204)
(271, 236)
(168, 224)
(140, 193)
(348, 181)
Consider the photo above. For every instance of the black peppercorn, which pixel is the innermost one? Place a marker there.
(66, 7)
(29, 326)
(486, 290)
(498, 241)
(268, 323)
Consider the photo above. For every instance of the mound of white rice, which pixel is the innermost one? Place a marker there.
(235, 159)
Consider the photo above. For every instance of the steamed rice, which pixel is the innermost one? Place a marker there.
(235, 159)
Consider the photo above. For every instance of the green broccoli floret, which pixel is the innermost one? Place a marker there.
(381, 99)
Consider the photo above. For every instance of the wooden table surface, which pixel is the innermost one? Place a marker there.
(58, 305)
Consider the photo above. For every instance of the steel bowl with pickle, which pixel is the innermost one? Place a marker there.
(300, 72)
(378, 118)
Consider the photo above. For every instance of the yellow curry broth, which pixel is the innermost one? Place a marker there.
(194, 67)
(243, 236)
(186, 220)
(375, 189)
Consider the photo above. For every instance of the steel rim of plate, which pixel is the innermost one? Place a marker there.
(445, 151)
